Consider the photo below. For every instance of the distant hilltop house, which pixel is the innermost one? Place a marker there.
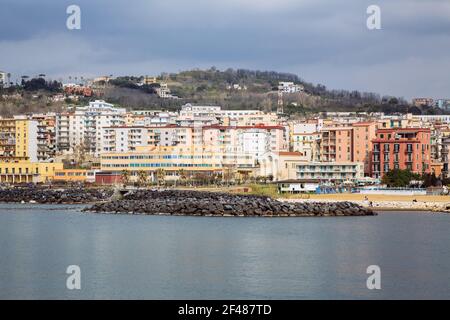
(443, 104)
(290, 87)
(236, 86)
(4, 79)
(419, 102)
(163, 91)
(77, 90)
(148, 80)
(104, 79)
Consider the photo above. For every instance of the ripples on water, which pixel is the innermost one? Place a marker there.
(160, 257)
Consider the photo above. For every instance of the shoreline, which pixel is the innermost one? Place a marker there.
(230, 201)
(390, 205)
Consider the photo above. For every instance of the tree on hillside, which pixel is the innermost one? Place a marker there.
(399, 178)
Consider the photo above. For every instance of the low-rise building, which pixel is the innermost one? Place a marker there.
(74, 175)
(331, 171)
(173, 160)
(298, 186)
(28, 172)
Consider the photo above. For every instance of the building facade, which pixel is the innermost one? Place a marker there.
(401, 148)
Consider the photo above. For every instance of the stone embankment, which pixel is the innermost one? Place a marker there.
(198, 203)
(57, 196)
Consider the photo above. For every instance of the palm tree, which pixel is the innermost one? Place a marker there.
(228, 175)
(142, 178)
(125, 177)
(160, 175)
(182, 175)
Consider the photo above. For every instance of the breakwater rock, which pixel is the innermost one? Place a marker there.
(49, 196)
(198, 203)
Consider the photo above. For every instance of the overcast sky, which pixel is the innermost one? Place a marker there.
(323, 41)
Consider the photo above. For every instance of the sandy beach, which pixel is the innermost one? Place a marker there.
(383, 202)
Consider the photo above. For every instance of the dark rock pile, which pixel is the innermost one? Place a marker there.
(45, 195)
(197, 203)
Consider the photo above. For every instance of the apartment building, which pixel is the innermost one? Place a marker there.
(86, 123)
(208, 115)
(62, 132)
(127, 138)
(249, 140)
(445, 157)
(18, 139)
(336, 144)
(401, 148)
(305, 138)
(363, 134)
(46, 136)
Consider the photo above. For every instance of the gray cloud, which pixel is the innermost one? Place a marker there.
(321, 41)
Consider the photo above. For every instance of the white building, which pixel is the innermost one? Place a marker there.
(330, 171)
(289, 87)
(305, 138)
(128, 138)
(85, 125)
(4, 79)
(252, 141)
(209, 115)
(163, 91)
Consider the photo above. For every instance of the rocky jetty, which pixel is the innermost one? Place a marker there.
(198, 203)
(49, 196)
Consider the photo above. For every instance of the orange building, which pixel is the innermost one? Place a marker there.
(74, 175)
(401, 148)
(336, 144)
(363, 134)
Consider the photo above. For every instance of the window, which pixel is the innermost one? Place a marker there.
(396, 148)
(409, 147)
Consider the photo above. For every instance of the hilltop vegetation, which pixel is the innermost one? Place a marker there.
(231, 89)
(30, 96)
(257, 90)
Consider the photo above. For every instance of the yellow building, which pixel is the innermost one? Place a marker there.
(191, 160)
(28, 172)
(18, 139)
